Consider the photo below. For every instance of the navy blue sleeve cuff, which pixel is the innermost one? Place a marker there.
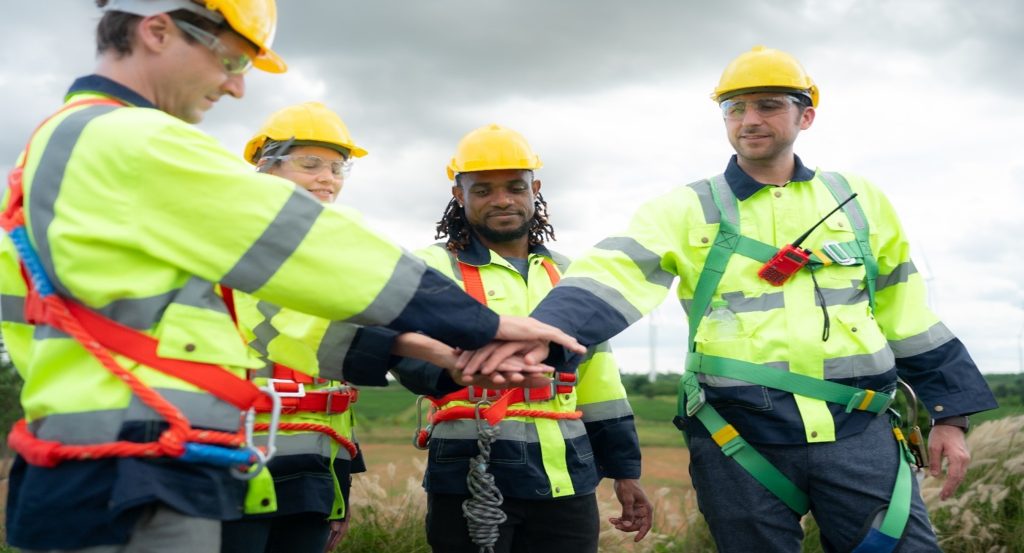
(441, 310)
(580, 314)
(947, 381)
(616, 447)
(369, 356)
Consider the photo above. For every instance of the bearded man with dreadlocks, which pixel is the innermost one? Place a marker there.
(516, 469)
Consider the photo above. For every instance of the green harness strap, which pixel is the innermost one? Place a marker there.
(691, 399)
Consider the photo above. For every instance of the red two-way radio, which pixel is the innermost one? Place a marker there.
(791, 258)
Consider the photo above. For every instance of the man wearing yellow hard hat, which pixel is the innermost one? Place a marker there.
(547, 447)
(124, 227)
(802, 314)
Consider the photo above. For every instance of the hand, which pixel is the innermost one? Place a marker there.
(526, 329)
(521, 380)
(948, 443)
(637, 512)
(338, 530)
(503, 360)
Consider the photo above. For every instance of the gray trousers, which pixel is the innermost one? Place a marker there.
(161, 529)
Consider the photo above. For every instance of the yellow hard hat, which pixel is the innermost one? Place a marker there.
(492, 147)
(764, 69)
(309, 122)
(256, 20)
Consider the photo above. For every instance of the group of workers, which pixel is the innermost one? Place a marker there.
(137, 249)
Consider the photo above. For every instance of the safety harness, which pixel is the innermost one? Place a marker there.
(483, 509)
(102, 336)
(691, 402)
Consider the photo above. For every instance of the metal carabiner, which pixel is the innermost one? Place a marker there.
(250, 422)
(915, 439)
(421, 436)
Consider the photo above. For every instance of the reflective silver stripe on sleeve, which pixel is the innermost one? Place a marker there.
(92, 427)
(306, 443)
(265, 331)
(516, 431)
(277, 243)
(647, 261)
(900, 274)
(12, 308)
(605, 410)
(928, 340)
(707, 203)
(334, 347)
(607, 294)
(46, 183)
(867, 364)
(396, 294)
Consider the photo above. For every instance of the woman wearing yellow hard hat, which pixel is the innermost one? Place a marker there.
(309, 145)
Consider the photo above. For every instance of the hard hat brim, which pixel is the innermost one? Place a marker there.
(269, 61)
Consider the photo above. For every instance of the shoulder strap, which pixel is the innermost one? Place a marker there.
(725, 244)
(840, 189)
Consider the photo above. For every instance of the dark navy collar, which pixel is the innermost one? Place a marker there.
(478, 254)
(109, 87)
(744, 186)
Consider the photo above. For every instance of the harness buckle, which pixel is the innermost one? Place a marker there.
(299, 392)
(345, 391)
(837, 253)
(485, 394)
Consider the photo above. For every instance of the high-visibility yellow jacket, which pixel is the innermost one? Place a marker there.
(533, 457)
(310, 469)
(628, 275)
(136, 214)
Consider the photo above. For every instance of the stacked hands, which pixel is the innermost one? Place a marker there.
(515, 359)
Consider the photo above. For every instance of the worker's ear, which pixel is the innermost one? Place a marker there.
(459, 195)
(806, 118)
(155, 32)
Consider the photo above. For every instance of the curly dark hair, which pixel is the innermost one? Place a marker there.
(455, 226)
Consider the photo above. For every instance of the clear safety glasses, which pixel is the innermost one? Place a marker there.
(314, 164)
(234, 64)
(735, 110)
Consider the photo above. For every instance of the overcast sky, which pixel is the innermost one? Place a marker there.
(922, 97)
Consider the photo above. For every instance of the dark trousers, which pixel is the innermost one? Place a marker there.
(564, 525)
(298, 533)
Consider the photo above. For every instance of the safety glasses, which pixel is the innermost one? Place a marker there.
(234, 64)
(735, 110)
(313, 165)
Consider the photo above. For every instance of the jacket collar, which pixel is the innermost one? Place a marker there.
(744, 186)
(108, 87)
(478, 254)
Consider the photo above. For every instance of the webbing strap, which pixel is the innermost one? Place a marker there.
(849, 396)
(733, 445)
(725, 244)
(840, 190)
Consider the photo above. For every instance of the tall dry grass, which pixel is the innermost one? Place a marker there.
(986, 516)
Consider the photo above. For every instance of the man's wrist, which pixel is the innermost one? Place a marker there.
(963, 422)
